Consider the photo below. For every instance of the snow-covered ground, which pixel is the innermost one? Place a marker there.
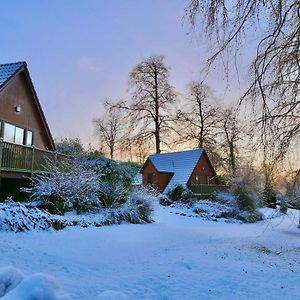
(177, 257)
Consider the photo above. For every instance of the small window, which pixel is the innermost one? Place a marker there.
(19, 135)
(201, 179)
(150, 178)
(29, 137)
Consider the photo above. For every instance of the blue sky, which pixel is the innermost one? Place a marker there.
(79, 52)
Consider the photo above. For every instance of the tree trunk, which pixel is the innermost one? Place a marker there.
(201, 137)
(157, 142)
(157, 125)
(111, 152)
(232, 159)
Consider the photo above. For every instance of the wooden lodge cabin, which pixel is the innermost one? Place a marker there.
(25, 139)
(191, 168)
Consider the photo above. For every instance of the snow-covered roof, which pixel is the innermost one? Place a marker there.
(181, 164)
(8, 70)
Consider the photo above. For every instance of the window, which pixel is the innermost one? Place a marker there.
(201, 179)
(150, 178)
(29, 138)
(9, 133)
(17, 135)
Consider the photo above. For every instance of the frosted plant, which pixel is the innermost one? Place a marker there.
(16, 217)
(137, 209)
(70, 184)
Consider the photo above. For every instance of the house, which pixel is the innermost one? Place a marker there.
(25, 138)
(191, 168)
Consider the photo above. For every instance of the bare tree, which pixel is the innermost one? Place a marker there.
(199, 118)
(152, 95)
(109, 127)
(276, 67)
(231, 131)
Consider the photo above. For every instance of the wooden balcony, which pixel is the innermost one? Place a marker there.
(24, 159)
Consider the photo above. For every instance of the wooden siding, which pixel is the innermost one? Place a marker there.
(18, 92)
(203, 168)
(160, 179)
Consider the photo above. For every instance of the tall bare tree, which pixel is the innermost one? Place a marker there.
(276, 67)
(152, 95)
(109, 127)
(199, 118)
(231, 131)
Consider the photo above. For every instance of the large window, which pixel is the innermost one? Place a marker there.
(16, 134)
(9, 133)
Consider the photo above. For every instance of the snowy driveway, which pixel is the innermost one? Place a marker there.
(175, 258)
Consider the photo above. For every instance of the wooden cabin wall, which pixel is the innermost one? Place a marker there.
(18, 93)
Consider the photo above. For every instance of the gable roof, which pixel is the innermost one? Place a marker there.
(181, 164)
(9, 70)
(7, 73)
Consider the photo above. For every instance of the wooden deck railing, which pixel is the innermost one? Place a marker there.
(206, 189)
(24, 159)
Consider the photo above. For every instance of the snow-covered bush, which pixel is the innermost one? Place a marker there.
(84, 184)
(224, 205)
(68, 185)
(10, 277)
(208, 209)
(116, 178)
(247, 196)
(164, 200)
(34, 287)
(234, 207)
(16, 217)
(113, 192)
(180, 193)
(247, 199)
(249, 216)
(88, 183)
(137, 209)
(228, 199)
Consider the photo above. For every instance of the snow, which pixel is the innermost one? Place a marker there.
(112, 295)
(37, 287)
(10, 277)
(177, 257)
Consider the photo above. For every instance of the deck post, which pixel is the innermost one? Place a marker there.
(32, 161)
(1, 152)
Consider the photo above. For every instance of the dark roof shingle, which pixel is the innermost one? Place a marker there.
(8, 70)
